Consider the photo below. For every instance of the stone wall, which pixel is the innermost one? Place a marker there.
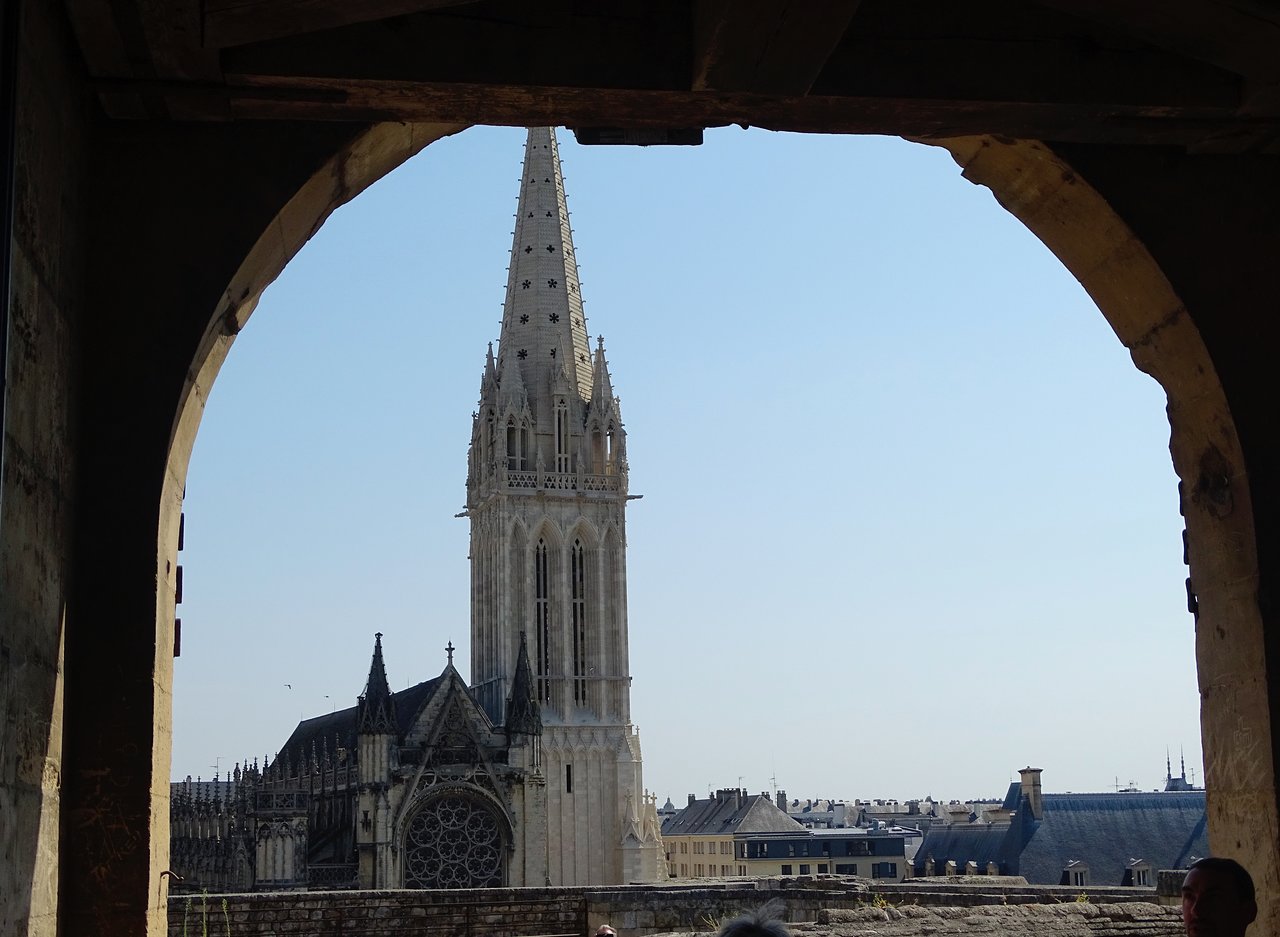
(39, 478)
(634, 911)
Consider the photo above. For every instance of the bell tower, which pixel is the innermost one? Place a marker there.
(546, 498)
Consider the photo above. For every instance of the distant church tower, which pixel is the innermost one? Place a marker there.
(546, 496)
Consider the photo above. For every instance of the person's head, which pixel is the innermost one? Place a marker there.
(604, 930)
(764, 921)
(1217, 899)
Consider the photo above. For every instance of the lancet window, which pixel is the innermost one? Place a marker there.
(579, 584)
(542, 621)
(517, 447)
(562, 435)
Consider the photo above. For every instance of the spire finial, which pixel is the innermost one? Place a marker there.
(449, 650)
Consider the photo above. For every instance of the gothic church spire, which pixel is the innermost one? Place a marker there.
(543, 325)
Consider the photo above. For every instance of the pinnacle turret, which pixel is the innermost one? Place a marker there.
(376, 708)
(523, 712)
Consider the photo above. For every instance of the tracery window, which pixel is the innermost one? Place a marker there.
(453, 842)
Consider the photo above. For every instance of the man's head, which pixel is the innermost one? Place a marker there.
(604, 930)
(1217, 899)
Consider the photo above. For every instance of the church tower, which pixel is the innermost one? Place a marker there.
(546, 497)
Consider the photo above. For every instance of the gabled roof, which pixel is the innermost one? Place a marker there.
(730, 812)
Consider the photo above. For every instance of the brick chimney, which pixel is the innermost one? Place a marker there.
(1031, 791)
(782, 801)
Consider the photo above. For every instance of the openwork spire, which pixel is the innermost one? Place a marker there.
(377, 710)
(543, 326)
(523, 713)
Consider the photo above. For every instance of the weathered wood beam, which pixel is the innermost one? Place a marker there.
(1240, 37)
(105, 54)
(626, 45)
(318, 99)
(240, 22)
(172, 31)
(765, 47)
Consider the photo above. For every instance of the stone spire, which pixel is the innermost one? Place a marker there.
(543, 326)
(523, 712)
(376, 708)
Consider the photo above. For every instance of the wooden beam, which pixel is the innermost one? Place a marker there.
(172, 31)
(240, 22)
(1241, 37)
(318, 99)
(764, 46)
(105, 56)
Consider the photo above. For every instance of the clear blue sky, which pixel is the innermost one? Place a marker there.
(909, 518)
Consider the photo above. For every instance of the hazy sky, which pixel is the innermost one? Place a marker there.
(909, 519)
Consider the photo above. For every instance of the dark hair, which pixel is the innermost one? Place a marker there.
(764, 921)
(1238, 874)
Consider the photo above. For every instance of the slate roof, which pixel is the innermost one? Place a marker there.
(343, 723)
(1105, 831)
(726, 814)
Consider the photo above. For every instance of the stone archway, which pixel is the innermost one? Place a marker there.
(1077, 223)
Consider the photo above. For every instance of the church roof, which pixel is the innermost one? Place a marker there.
(543, 326)
(344, 724)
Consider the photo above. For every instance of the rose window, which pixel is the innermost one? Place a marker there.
(453, 842)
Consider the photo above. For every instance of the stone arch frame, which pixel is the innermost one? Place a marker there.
(425, 797)
(1092, 240)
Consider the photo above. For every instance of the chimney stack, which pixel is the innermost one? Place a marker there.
(782, 801)
(693, 799)
(1031, 791)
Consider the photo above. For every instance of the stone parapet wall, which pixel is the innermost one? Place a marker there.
(635, 910)
(1075, 919)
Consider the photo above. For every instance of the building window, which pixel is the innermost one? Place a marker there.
(568, 779)
(542, 620)
(562, 435)
(684, 848)
(846, 869)
(579, 577)
(884, 870)
(786, 870)
(822, 868)
(684, 870)
(804, 868)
